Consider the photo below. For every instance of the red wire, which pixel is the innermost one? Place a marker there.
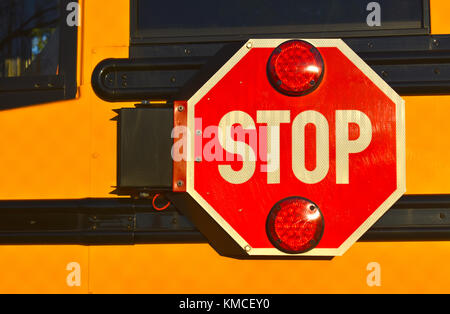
(159, 208)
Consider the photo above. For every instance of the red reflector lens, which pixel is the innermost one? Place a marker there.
(295, 68)
(295, 225)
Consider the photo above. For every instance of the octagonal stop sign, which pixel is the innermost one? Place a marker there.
(293, 148)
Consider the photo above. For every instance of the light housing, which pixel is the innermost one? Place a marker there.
(295, 225)
(295, 68)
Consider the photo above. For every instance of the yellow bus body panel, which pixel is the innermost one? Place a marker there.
(67, 150)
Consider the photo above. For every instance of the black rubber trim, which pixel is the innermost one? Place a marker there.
(128, 221)
(411, 65)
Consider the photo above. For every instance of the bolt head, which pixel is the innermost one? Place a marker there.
(144, 195)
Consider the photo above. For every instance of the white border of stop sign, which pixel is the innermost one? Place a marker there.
(400, 138)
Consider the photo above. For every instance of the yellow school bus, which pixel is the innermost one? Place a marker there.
(74, 220)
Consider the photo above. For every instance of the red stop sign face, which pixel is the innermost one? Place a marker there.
(340, 147)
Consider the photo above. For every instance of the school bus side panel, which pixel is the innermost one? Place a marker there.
(67, 150)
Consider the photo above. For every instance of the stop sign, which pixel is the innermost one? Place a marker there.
(287, 162)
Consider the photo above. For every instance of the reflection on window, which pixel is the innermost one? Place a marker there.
(29, 37)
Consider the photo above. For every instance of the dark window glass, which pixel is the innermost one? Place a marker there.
(29, 37)
(240, 17)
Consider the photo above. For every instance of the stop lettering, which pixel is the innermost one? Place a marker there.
(273, 119)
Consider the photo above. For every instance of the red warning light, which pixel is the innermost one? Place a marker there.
(295, 225)
(295, 68)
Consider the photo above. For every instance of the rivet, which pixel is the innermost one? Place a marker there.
(180, 108)
(180, 183)
(144, 195)
(249, 45)
(109, 78)
(248, 248)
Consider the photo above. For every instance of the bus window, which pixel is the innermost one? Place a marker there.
(191, 21)
(37, 52)
(29, 38)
